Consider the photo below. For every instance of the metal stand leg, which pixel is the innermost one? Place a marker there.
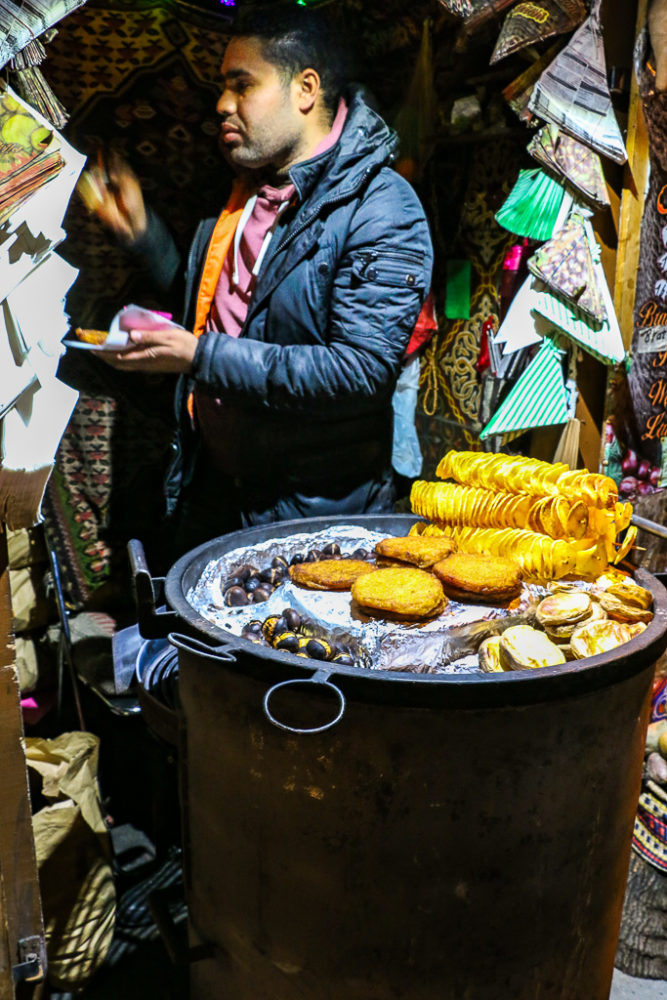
(65, 644)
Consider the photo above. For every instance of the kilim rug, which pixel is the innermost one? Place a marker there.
(142, 77)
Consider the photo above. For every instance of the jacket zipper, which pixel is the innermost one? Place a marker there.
(341, 197)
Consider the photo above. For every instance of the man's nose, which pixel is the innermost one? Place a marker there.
(226, 104)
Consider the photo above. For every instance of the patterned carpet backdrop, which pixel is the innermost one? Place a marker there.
(142, 75)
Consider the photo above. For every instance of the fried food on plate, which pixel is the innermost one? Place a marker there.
(91, 336)
(400, 592)
(470, 576)
(329, 574)
(415, 549)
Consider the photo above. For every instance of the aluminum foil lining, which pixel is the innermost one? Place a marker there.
(447, 644)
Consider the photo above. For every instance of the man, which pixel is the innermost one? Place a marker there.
(300, 300)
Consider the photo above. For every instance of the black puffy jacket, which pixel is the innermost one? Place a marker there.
(306, 418)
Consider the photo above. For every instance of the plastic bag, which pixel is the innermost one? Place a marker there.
(72, 851)
(406, 455)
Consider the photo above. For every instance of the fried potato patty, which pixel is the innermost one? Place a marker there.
(470, 576)
(329, 574)
(403, 592)
(91, 336)
(416, 549)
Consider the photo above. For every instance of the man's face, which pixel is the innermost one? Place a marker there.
(261, 125)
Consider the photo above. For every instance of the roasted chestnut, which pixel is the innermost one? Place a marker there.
(332, 549)
(344, 659)
(231, 581)
(293, 619)
(244, 572)
(313, 555)
(252, 583)
(254, 627)
(273, 576)
(262, 593)
(279, 561)
(287, 641)
(359, 554)
(274, 625)
(236, 597)
(318, 649)
(298, 557)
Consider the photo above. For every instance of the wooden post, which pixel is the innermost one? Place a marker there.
(6, 976)
(630, 214)
(22, 933)
(632, 204)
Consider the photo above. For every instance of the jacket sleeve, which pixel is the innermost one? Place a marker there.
(160, 258)
(382, 277)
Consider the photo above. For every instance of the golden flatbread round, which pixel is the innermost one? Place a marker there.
(417, 550)
(474, 577)
(329, 574)
(406, 593)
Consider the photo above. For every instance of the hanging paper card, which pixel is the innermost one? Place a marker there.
(539, 398)
(482, 11)
(572, 162)
(573, 8)
(522, 328)
(565, 264)
(573, 92)
(534, 206)
(528, 23)
(462, 8)
(603, 341)
(519, 91)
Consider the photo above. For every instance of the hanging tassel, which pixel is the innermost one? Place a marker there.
(30, 83)
(567, 449)
(415, 121)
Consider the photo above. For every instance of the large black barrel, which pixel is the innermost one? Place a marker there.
(459, 837)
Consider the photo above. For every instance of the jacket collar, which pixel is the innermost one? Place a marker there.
(366, 144)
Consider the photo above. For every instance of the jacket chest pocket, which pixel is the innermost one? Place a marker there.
(396, 268)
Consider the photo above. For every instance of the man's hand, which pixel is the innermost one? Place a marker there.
(161, 351)
(111, 190)
(657, 27)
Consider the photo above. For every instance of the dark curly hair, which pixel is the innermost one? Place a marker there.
(294, 38)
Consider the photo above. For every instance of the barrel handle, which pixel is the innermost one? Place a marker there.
(189, 644)
(320, 677)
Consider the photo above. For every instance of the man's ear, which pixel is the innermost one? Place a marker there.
(308, 87)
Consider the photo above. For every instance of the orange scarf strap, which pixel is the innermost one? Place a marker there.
(223, 234)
